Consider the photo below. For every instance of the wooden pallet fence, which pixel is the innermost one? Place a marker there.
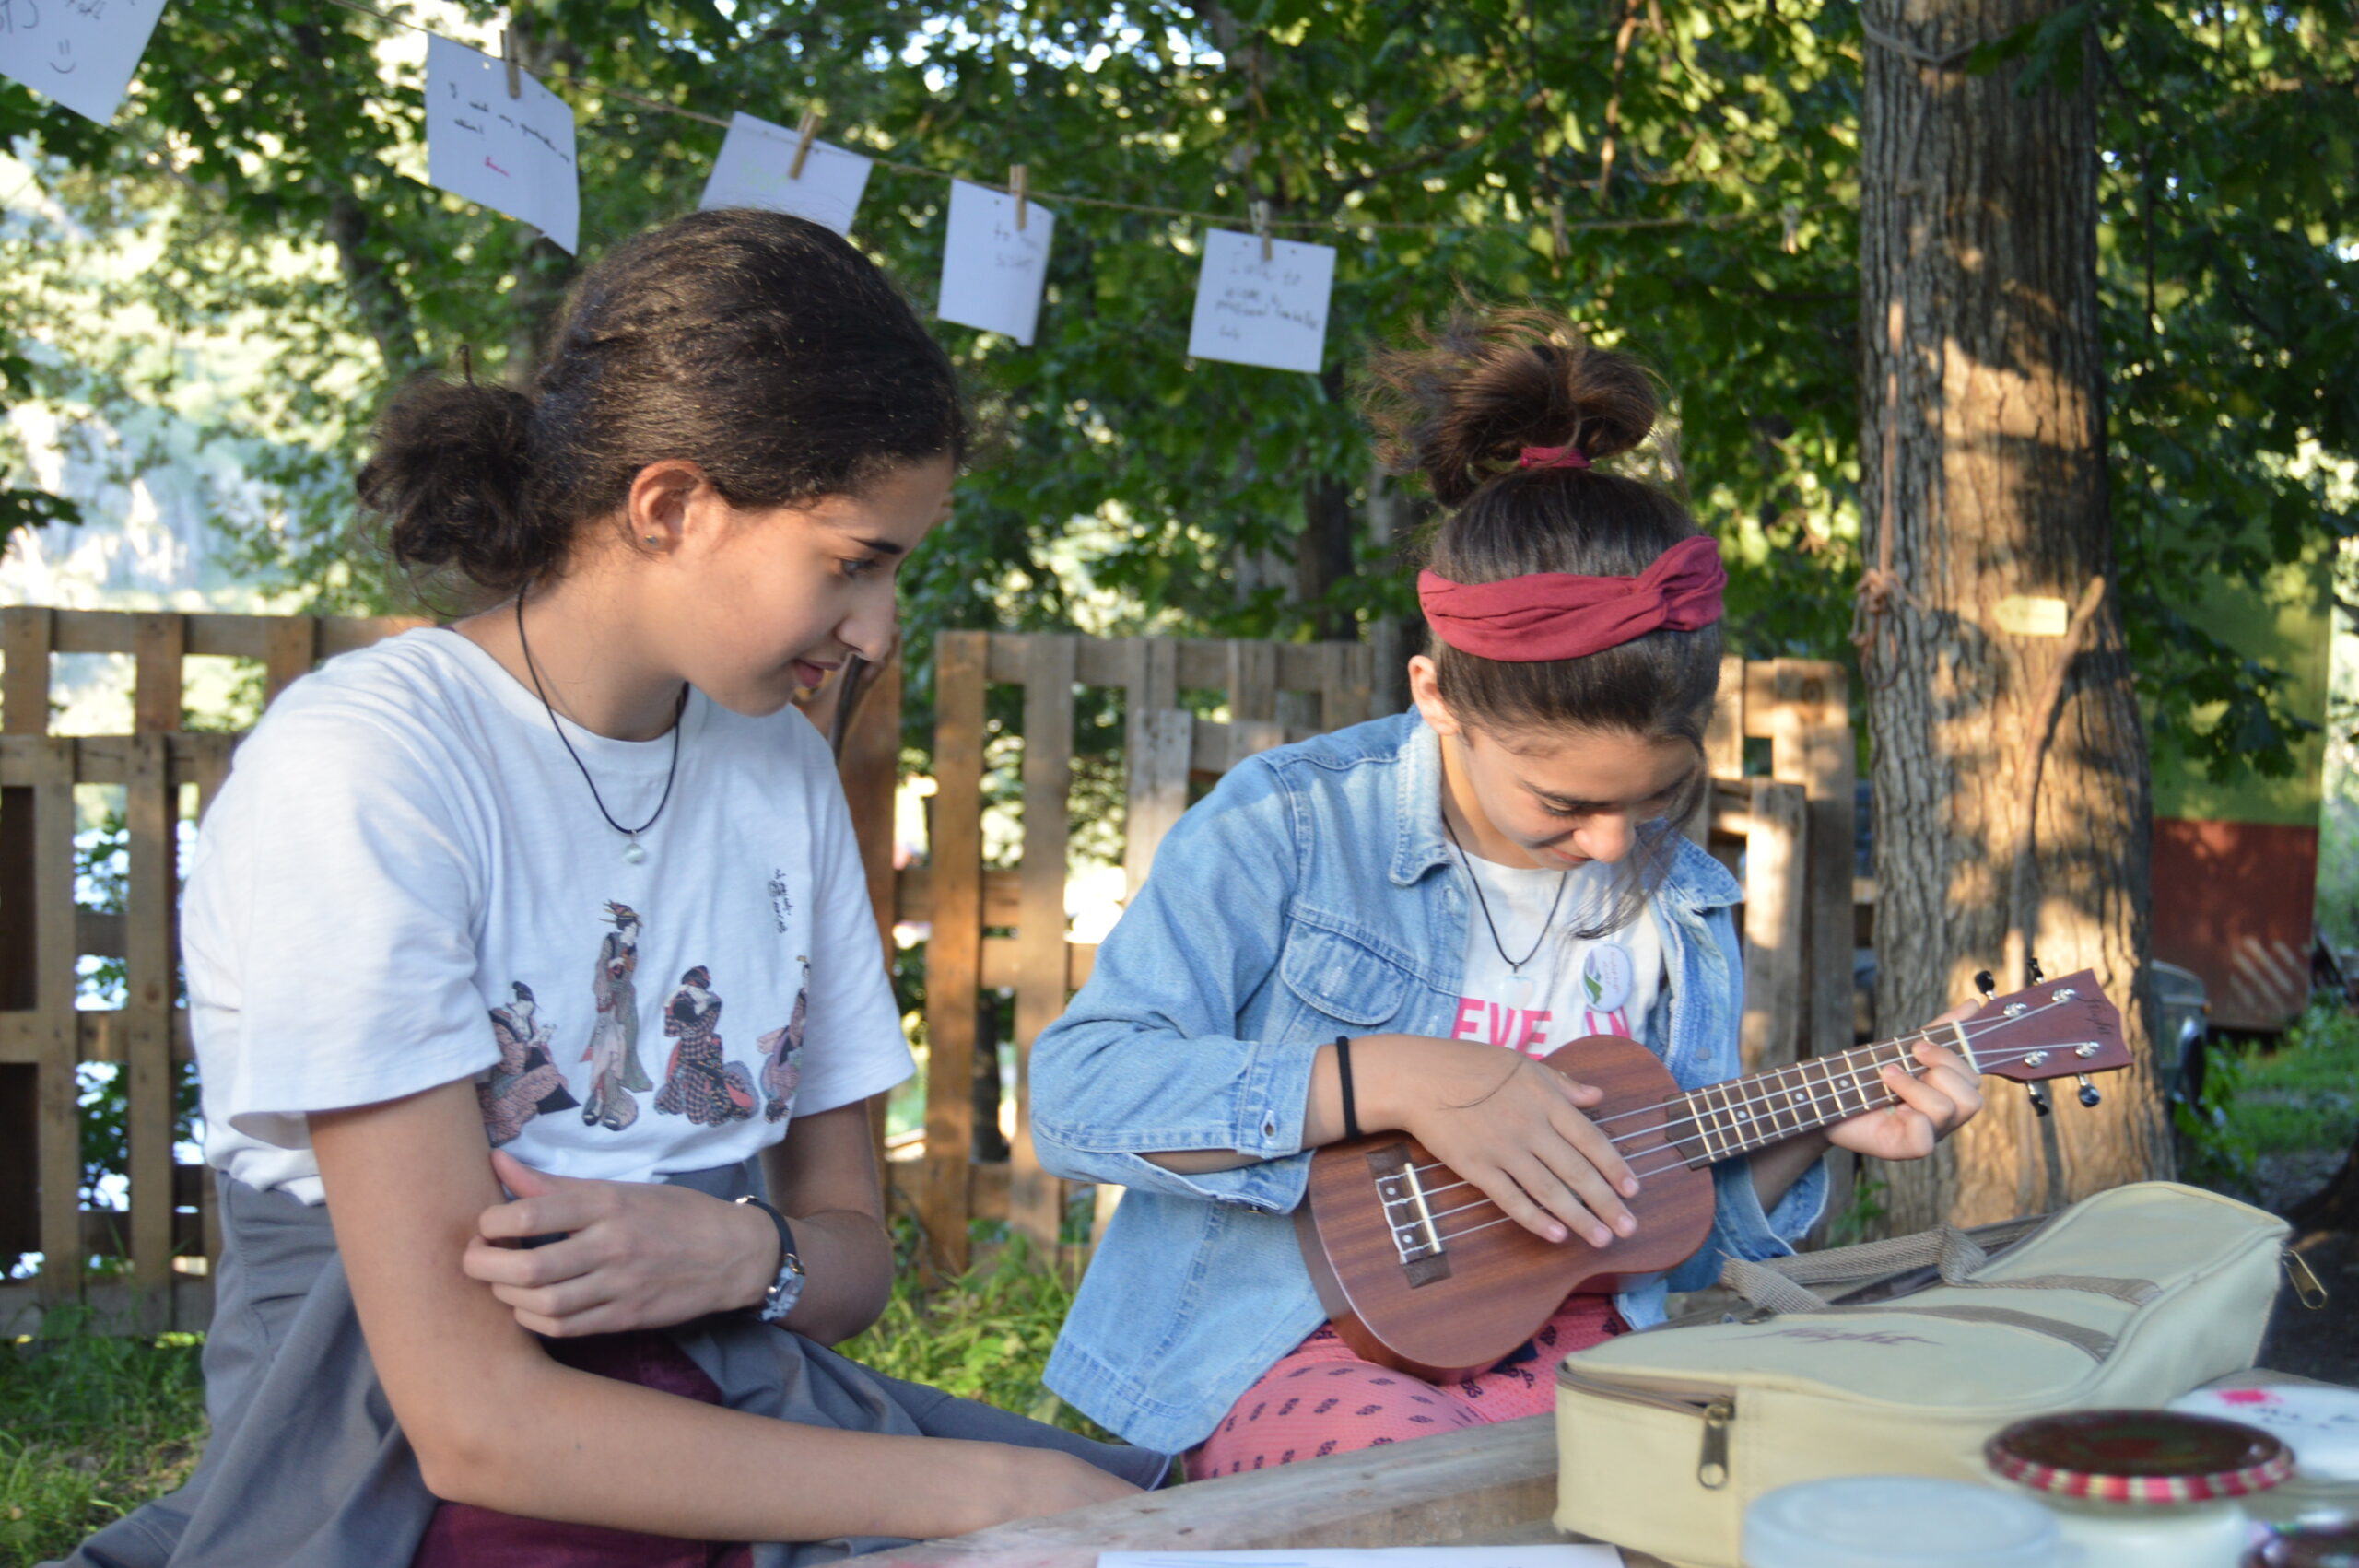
(961, 901)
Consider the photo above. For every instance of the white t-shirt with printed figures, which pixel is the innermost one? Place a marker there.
(405, 882)
(1571, 987)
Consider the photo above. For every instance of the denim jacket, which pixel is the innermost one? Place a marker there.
(1311, 893)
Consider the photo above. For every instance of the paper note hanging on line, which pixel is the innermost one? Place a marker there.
(1376, 1556)
(513, 155)
(756, 168)
(993, 272)
(1271, 314)
(80, 52)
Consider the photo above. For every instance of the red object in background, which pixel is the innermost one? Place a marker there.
(2234, 901)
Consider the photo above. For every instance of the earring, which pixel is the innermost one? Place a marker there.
(652, 538)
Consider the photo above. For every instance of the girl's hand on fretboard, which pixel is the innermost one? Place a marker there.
(1937, 1099)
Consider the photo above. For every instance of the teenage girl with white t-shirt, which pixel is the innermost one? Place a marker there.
(562, 899)
(1348, 929)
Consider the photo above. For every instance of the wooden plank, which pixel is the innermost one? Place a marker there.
(1247, 737)
(342, 634)
(151, 885)
(58, 1142)
(24, 712)
(1004, 961)
(25, 642)
(1770, 1029)
(913, 895)
(158, 641)
(1151, 698)
(1036, 1199)
(1724, 736)
(115, 1309)
(1348, 689)
(106, 759)
(1158, 762)
(1435, 1488)
(870, 767)
(955, 948)
(227, 637)
(290, 649)
(1252, 681)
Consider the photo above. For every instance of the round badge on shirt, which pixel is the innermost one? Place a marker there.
(1608, 976)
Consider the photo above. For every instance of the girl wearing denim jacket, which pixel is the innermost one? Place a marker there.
(1452, 894)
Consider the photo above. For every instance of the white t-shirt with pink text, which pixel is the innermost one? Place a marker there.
(1571, 987)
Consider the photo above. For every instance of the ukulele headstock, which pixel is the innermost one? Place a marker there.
(2060, 1028)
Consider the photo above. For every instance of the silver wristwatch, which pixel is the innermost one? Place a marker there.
(787, 1288)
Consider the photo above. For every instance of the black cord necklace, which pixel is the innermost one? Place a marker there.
(633, 852)
(1514, 966)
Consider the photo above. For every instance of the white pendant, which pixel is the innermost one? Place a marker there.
(633, 853)
(1519, 991)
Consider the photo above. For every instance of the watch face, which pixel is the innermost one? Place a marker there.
(785, 1292)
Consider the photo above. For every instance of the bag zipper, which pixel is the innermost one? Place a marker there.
(2307, 1288)
(1716, 1408)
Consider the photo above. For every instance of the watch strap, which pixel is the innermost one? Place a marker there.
(788, 1281)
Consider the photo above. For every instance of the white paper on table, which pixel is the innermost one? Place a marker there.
(80, 52)
(513, 155)
(753, 171)
(993, 273)
(1271, 314)
(1376, 1557)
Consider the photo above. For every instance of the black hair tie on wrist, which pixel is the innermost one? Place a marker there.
(1344, 1076)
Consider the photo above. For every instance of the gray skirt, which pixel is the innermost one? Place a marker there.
(305, 1467)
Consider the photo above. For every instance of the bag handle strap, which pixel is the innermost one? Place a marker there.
(1781, 1284)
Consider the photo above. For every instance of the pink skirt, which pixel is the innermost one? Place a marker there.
(1320, 1399)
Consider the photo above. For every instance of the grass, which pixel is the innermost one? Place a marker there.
(89, 1428)
(2304, 1094)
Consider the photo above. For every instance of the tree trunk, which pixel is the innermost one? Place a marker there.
(1983, 452)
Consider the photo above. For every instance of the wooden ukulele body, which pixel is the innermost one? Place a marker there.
(1447, 1317)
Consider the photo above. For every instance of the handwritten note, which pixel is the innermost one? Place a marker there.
(79, 53)
(993, 272)
(755, 169)
(1271, 314)
(513, 155)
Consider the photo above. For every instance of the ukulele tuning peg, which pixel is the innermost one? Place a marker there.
(2038, 1097)
(2031, 970)
(1986, 985)
(2089, 1096)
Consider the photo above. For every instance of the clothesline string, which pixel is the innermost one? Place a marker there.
(1714, 220)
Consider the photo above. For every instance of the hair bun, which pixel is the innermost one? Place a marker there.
(1461, 405)
(451, 476)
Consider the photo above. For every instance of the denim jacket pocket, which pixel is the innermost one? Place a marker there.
(1343, 978)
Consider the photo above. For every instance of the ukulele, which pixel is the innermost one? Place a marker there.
(1419, 1272)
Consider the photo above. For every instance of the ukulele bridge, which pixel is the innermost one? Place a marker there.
(1408, 1215)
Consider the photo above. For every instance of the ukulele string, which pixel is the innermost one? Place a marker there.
(1872, 1071)
(1399, 1229)
(1974, 1032)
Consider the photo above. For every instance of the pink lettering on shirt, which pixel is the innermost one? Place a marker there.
(1515, 1028)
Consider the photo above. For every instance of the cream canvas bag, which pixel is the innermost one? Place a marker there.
(2131, 1297)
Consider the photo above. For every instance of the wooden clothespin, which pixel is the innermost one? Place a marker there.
(803, 134)
(1556, 227)
(1018, 184)
(1261, 227)
(508, 53)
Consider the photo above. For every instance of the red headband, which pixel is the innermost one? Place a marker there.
(1548, 615)
(1567, 456)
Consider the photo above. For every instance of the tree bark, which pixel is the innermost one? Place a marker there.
(1983, 453)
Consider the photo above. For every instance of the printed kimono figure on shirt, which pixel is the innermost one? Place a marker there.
(783, 1055)
(525, 1081)
(612, 1054)
(699, 1081)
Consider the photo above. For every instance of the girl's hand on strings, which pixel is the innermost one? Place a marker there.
(1933, 1103)
(636, 1255)
(1510, 1125)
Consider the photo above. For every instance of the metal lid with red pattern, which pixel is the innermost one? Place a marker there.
(2139, 1457)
